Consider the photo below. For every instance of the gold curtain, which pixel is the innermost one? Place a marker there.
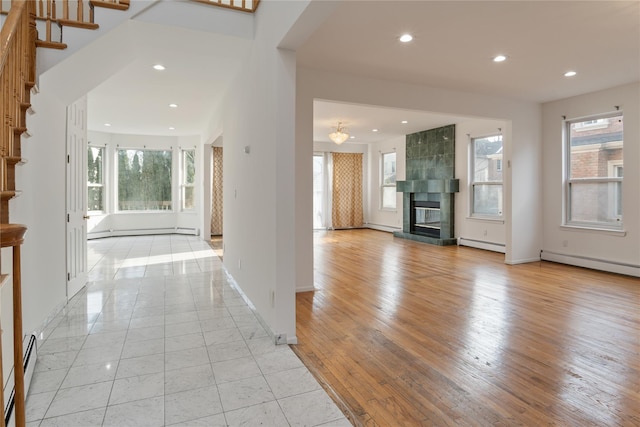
(216, 193)
(347, 190)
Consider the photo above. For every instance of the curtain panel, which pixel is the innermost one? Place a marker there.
(216, 193)
(347, 211)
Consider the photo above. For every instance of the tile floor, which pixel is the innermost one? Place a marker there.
(159, 337)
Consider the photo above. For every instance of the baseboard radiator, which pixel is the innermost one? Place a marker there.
(143, 232)
(481, 244)
(593, 263)
(30, 356)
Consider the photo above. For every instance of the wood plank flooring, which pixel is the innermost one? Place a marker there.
(409, 334)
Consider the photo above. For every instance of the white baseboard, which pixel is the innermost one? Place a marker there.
(593, 263)
(305, 289)
(481, 244)
(381, 227)
(521, 261)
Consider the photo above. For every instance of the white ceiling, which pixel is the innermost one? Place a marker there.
(453, 46)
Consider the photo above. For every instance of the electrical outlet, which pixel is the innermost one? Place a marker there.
(485, 231)
(565, 243)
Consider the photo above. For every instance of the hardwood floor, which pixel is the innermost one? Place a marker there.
(410, 334)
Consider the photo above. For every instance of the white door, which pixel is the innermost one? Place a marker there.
(76, 196)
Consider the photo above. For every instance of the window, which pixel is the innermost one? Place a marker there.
(95, 179)
(388, 187)
(144, 180)
(593, 181)
(486, 176)
(187, 179)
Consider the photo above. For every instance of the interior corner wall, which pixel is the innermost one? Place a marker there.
(523, 217)
(619, 252)
(259, 173)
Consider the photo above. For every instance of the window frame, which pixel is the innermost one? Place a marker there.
(382, 207)
(594, 122)
(183, 184)
(116, 192)
(473, 183)
(102, 185)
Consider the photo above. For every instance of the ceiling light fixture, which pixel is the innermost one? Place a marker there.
(406, 38)
(173, 105)
(340, 135)
(107, 124)
(404, 122)
(159, 67)
(570, 74)
(171, 128)
(499, 58)
(374, 130)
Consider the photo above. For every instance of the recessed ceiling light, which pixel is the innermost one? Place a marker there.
(406, 38)
(173, 105)
(352, 137)
(499, 58)
(107, 124)
(404, 122)
(158, 67)
(374, 130)
(171, 128)
(570, 74)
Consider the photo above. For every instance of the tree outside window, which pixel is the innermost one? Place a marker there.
(144, 180)
(188, 179)
(95, 179)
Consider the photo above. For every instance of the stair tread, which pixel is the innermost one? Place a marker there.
(51, 45)
(78, 24)
(110, 5)
(14, 160)
(12, 234)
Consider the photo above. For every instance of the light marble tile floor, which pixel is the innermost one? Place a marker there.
(160, 337)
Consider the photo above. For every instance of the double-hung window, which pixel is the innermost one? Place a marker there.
(388, 178)
(594, 171)
(486, 176)
(95, 179)
(187, 179)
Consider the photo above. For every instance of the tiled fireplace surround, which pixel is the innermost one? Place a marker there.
(430, 164)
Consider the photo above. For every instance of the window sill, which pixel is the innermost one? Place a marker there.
(496, 219)
(388, 210)
(609, 231)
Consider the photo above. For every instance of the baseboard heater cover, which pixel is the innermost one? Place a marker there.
(143, 232)
(481, 244)
(593, 263)
(30, 356)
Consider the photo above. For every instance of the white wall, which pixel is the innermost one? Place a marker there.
(260, 182)
(521, 141)
(42, 208)
(386, 220)
(485, 233)
(606, 250)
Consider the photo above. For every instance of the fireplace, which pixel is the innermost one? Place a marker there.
(430, 187)
(425, 218)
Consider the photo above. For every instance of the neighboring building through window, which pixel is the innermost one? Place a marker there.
(388, 185)
(486, 176)
(95, 179)
(594, 172)
(144, 180)
(187, 179)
